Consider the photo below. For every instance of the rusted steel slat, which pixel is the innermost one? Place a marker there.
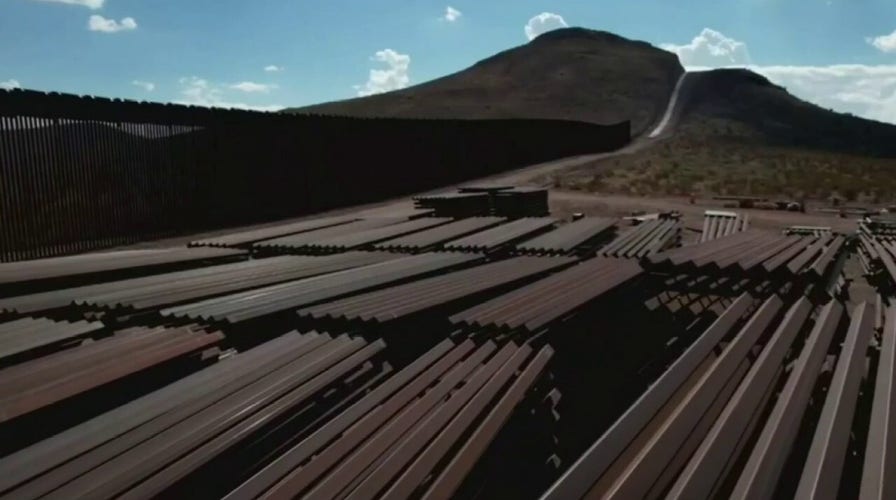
(502, 365)
(879, 470)
(254, 235)
(706, 466)
(643, 472)
(820, 266)
(58, 267)
(454, 473)
(800, 261)
(163, 479)
(579, 478)
(404, 385)
(821, 473)
(386, 421)
(779, 260)
(133, 465)
(390, 434)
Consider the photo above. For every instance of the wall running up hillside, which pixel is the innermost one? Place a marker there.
(78, 173)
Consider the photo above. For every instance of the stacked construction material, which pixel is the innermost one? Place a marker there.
(501, 236)
(878, 255)
(422, 433)
(96, 265)
(297, 242)
(484, 188)
(226, 417)
(172, 288)
(521, 202)
(27, 334)
(681, 438)
(717, 224)
(291, 295)
(645, 239)
(576, 237)
(879, 226)
(424, 240)
(456, 204)
(817, 231)
(403, 300)
(243, 238)
(754, 251)
(356, 239)
(552, 298)
(32, 385)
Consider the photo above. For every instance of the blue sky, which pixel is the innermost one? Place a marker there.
(273, 53)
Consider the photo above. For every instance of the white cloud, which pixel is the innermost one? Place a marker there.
(711, 49)
(100, 23)
(200, 92)
(250, 87)
(273, 68)
(10, 84)
(884, 43)
(542, 23)
(452, 14)
(394, 77)
(147, 86)
(90, 4)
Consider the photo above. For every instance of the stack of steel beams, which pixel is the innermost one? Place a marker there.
(419, 434)
(172, 288)
(97, 265)
(501, 236)
(308, 238)
(403, 300)
(689, 435)
(646, 239)
(717, 224)
(365, 238)
(878, 254)
(577, 235)
(274, 299)
(27, 334)
(753, 251)
(32, 385)
(230, 412)
(551, 298)
(244, 238)
(456, 204)
(520, 202)
(430, 238)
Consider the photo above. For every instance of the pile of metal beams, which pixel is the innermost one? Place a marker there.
(878, 254)
(569, 238)
(226, 417)
(419, 434)
(299, 241)
(645, 239)
(754, 251)
(244, 238)
(98, 264)
(291, 295)
(504, 235)
(456, 204)
(817, 231)
(360, 237)
(403, 300)
(27, 334)
(717, 224)
(520, 202)
(688, 435)
(172, 288)
(32, 385)
(430, 238)
(552, 298)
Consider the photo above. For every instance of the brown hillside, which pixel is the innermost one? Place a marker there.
(571, 74)
(737, 133)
